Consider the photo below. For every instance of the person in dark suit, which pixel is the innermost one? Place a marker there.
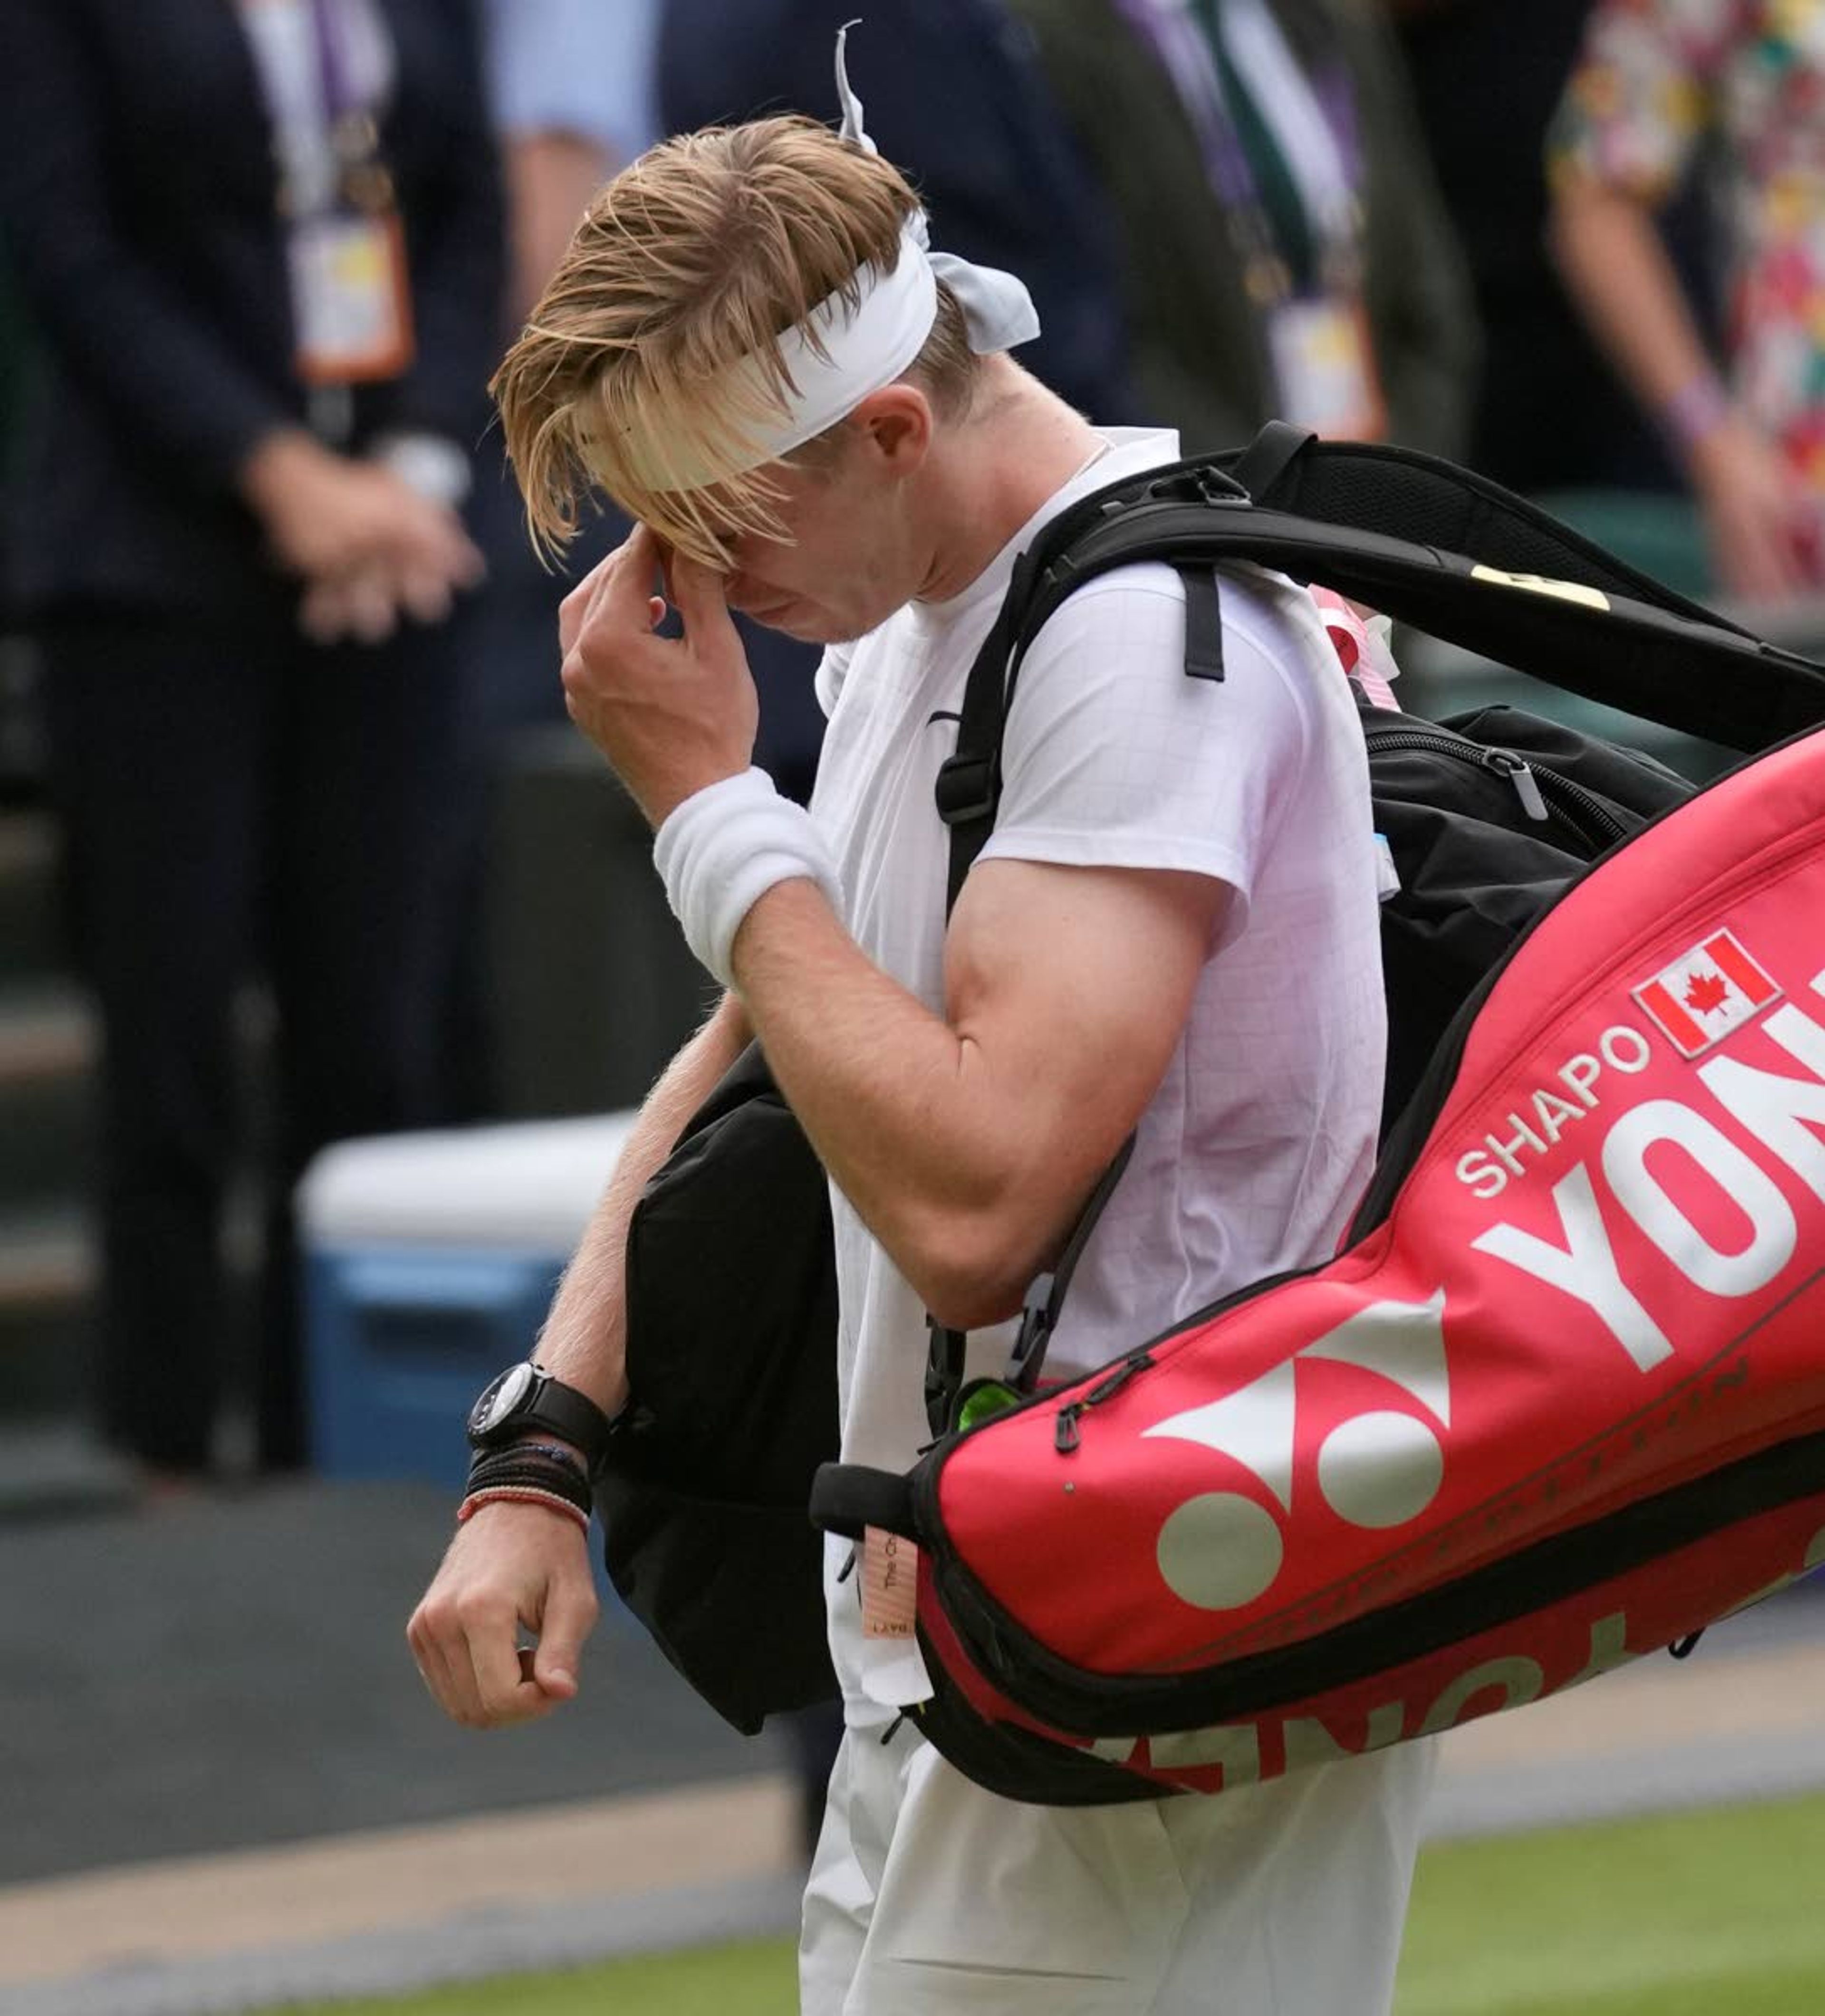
(955, 95)
(1286, 251)
(261, 241)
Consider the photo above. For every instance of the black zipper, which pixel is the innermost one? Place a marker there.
(1533, 785)
(1093, 1703)
(1065, 1437)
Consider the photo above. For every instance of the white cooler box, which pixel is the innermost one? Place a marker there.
(429, 1263)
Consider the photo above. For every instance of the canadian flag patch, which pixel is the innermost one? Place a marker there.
(1706, 992)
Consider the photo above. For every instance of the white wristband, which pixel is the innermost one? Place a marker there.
(721, 851)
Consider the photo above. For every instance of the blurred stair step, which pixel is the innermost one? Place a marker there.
(48, 1046)
(47, 1277)
(32, 937)
(54, 1469)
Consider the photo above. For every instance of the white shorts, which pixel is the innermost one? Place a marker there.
(929, 1896)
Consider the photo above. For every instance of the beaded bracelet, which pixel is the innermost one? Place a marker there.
(552, 1474)
(519, 1494)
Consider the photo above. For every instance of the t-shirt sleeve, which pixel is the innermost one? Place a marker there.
(1640, 96)
(1114, 757)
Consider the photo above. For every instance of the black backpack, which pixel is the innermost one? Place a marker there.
(1489, 817)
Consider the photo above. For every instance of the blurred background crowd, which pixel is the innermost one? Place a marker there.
(295, 845)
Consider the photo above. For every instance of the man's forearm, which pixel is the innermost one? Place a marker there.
(584, 1340)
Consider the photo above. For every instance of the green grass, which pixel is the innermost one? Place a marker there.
(1700, 1914)
(757, 1979)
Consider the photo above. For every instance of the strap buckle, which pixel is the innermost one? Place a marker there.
(944, 1364)
(1030, 1340)
(965, 788)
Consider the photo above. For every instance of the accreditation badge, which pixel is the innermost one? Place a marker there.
(350, 297)
(1324, 362)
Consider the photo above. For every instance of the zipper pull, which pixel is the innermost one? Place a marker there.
(1068, 1434)
(1105, 1388)
(1526, 786)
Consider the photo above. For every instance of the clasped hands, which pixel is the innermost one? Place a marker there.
(368, 548)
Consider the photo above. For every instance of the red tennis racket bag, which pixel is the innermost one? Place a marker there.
(1559, 1401)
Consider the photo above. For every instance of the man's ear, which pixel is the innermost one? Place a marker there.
(894, 426)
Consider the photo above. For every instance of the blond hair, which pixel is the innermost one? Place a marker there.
(692, 260)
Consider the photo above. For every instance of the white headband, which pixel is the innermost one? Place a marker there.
(838, 355)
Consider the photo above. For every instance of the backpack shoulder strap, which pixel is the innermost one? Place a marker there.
(1422, 540)
(1399, 493)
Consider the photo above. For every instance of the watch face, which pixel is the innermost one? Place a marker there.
(500, 1399)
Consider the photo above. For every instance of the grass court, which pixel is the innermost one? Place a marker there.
(1707, 1914)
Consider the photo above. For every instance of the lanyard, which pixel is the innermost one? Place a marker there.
(350, 128)
(327, 30)
(1321, 153)
(1312, 119)
(324, 68)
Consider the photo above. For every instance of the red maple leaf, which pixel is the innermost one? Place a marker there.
(1707, 993)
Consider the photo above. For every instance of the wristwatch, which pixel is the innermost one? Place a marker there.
(526, 1399)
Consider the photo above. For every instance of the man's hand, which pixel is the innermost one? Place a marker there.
(512, 1567)
(671, 715)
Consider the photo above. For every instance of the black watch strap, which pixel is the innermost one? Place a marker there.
(572, 1415)
(547, 1406)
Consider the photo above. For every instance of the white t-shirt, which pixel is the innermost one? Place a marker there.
(1262, 1134)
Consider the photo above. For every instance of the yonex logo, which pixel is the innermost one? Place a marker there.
(1378, 1468)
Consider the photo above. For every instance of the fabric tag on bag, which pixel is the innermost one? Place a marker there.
(1387, 877)
(890, 1584)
